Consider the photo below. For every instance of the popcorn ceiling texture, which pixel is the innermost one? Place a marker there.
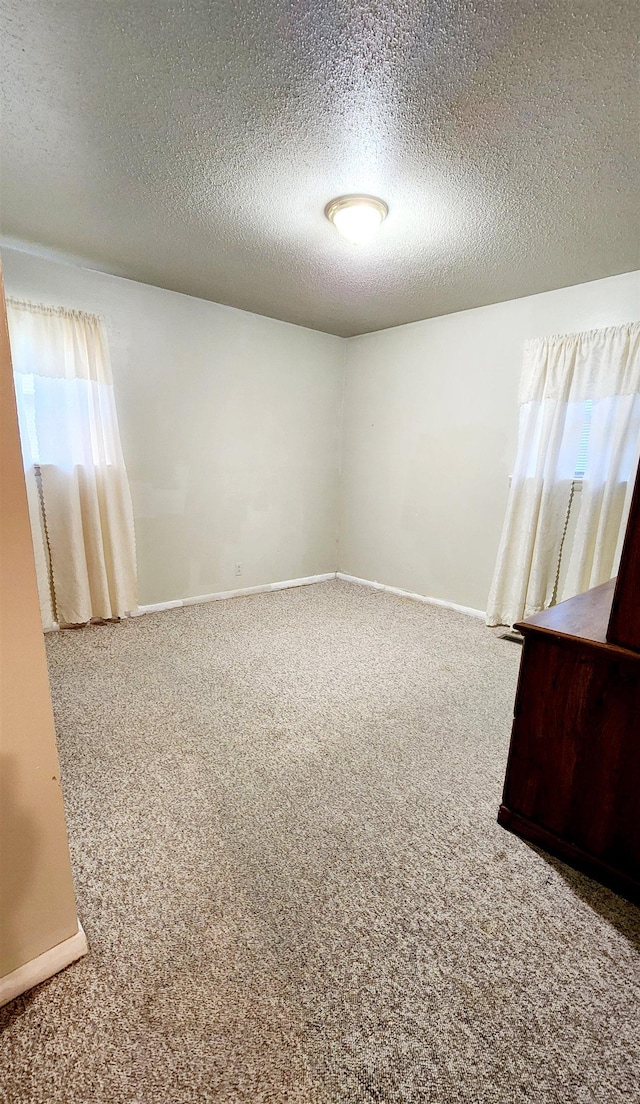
(195, 144)
(282, 820)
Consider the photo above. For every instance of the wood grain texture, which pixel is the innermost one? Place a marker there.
(573, 856)
(574, 761)
(624, 626)
(584, 617)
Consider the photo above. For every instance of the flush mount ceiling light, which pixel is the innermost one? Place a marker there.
(356, 217)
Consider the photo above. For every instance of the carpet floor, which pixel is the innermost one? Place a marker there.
(281, 813)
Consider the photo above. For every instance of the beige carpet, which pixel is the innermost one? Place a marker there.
(282, 819)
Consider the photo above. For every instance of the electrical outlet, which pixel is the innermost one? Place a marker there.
(238, 569)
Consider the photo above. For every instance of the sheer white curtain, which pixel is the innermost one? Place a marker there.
(560, 375)
(78, 490)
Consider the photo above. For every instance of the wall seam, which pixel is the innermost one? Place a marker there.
(346, 341)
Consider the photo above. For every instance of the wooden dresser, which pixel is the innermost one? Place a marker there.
(573, 776)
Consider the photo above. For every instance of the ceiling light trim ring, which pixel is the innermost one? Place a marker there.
(340, 203)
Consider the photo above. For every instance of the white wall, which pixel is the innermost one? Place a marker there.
(230, 426)
(430, 428)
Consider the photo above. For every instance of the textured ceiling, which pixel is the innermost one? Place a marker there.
(195, 144)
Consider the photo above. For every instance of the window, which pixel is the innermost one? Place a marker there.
(26, 396)
(563, 438)
(74, 468)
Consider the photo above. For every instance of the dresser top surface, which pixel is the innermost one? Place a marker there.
(584, 618)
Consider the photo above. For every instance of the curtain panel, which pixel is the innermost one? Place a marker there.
(78, 491)
(560, 376)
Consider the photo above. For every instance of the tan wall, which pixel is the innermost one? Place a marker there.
(37, 908)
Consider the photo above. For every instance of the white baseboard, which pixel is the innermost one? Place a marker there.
(414, 597)
(43, 967)
(222, 595)
(241, 592)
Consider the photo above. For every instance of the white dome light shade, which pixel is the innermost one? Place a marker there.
(356, 217)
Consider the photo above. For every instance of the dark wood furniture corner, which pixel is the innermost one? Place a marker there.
(573, 776)
(624, 625)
